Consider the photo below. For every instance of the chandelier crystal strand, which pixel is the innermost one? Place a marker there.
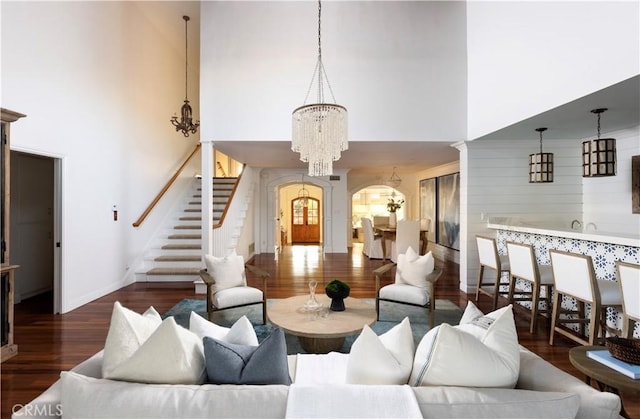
(319, 130)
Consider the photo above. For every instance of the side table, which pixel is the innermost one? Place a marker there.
(607, 378)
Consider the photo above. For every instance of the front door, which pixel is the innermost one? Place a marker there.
(305, 220)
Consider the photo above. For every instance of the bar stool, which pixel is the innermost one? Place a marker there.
(629, 282)
(574, 277)
(523, 265)
(489, 258)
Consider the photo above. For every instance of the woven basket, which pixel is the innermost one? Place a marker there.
(627, 350)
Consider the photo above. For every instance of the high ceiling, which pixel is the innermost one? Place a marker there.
(569, 121)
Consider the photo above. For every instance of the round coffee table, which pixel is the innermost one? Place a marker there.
(325, 331)
(607, 378)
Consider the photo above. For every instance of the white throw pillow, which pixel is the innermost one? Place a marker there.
(465, 357)
(384, 359)
(128, 330)
(240, 333)
(228, 271)
(413, 269)
(171, 355)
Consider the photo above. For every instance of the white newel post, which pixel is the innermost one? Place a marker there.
(207, 197)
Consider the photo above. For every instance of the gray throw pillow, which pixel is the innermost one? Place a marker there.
(228, 363)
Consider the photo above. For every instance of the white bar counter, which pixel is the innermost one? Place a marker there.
(604, 248)
(631, 240)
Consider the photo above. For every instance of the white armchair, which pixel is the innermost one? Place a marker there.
(414, 284)
(227, 284)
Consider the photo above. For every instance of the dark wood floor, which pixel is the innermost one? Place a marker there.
(51, 343)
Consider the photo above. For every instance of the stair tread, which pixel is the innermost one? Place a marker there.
(174, 271)
(181, 247)
(188, 218)
(187, 227)
(185, 236)
(179, 258)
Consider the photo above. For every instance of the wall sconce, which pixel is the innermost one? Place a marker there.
(599, 155)
(541, 164)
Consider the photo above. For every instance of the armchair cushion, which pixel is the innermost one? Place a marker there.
(406, 293)
(413, 269)
(384, 359)
(241, 332)
(228, 271)
(237, 296)
(228, 363)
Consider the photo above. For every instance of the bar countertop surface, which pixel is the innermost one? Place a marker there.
(629, 239)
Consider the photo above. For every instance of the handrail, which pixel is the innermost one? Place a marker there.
(233, 192)
(155, 201)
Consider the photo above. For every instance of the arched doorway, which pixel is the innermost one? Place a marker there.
(371, 202)
(307, 221)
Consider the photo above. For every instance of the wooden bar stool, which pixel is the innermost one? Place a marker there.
(489, 258)
(574, 277)
(523, 265)
(629, 282)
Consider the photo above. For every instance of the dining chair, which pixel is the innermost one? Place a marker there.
(407, 235)
(489, 258)
(524, 267)
(227, 287)
(574, 277)
(372, 246)
(629, 282)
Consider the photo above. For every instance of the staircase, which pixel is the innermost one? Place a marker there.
(177, 256)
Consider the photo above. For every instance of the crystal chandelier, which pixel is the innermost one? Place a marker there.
(186, 124)
(541, 164)
(319, 131)
(599, 155)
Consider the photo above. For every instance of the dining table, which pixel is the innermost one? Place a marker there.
(389, 233)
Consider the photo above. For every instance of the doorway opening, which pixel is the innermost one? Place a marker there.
(371, 202)
(35, 228)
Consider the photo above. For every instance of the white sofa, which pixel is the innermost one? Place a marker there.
(542, 391)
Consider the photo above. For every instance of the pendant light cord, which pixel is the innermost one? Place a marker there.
(186, 57)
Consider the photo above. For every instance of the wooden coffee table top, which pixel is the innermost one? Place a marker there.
(288, 315)
(600, 372)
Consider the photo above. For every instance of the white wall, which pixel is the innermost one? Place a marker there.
(98, 82)
(398, 67)
(527, 57)
(607, 200)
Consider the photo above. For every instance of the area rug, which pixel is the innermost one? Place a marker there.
(390, 315)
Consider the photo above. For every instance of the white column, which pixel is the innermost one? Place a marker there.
(207, 196)
(466, 285)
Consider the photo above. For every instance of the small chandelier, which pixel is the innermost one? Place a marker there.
(319, 131)
(186, 124)
(303, 197)
(394, 181)
(541, 164)
(599, 155)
